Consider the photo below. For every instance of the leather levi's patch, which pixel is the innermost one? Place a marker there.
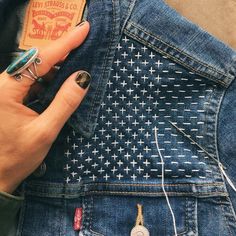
(46, 21)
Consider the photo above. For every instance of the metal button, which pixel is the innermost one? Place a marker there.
(40, 171)
(139, 230)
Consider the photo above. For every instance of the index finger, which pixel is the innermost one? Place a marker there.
(53, 53)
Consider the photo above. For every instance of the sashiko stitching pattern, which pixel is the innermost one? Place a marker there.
(145, 89)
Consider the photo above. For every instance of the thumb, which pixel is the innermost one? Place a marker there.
(65, 102)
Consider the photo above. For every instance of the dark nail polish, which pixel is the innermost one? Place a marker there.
(81, 23)
(83, 79)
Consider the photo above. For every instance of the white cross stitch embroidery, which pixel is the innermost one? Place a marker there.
(145, 89)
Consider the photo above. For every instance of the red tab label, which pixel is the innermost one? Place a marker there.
(78, 218)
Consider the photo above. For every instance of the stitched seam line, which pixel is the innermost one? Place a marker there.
(185, 220)
(68, 196)
(177, 49)
(130, 7)
(193, 202)
(141, 185)
(226, 221)
(97, 94)
(155, 193)
(91, 218)
(216, 136)
(86, 216)
(213, 129)
(209, 128)
(204, 184)
(232, 208)
(201, 73)
(196, 215)
(204, 74)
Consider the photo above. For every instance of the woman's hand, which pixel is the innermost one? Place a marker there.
(26, 136)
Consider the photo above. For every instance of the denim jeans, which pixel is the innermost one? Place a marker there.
(160, 108)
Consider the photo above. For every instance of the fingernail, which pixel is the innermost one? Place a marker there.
(83, 79)
(81, 23)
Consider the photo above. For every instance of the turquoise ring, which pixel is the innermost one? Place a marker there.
(23, 63)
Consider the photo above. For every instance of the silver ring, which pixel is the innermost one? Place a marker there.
(23, 63)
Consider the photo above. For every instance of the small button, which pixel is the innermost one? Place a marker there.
(40, 171)
(139, 230)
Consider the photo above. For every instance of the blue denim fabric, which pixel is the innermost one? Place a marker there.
(150, 68)
(226, 136)
(116, 215)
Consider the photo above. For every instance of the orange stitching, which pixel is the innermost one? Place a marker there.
(159, 39)
(201, 73)
(159, 193)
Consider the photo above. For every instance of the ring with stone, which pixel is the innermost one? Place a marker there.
(23, 63)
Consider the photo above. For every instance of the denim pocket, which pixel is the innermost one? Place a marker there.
(43, 216)
(216, 217)
(116, 215)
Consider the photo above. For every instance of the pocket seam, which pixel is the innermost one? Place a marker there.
(174, 47)
(91, 218)
(231, 207)
(225, 217)
(190, 225)
(201, 73)
(88, 207)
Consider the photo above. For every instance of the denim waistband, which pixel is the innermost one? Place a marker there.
(69, 191)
